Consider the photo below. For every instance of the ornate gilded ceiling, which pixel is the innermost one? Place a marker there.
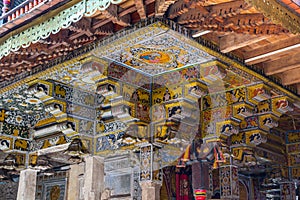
(151, 85)
(159, 53)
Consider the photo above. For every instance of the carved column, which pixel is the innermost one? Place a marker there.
(229, 182)
(27, 185)
(93, 178)
(150, 172)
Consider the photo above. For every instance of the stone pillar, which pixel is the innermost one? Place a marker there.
(27, 185)
(150, 190)
(93, 178)
(150, 172)
(74, 186)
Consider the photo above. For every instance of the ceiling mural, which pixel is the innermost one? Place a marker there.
(160, 53)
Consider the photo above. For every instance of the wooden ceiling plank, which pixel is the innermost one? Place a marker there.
(291, 77)
(232, 42)
(267, 56)
(279, 44)
(281, 65)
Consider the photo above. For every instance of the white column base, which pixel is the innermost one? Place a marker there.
(27, 185)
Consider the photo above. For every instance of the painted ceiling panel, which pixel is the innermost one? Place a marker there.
(161, 53)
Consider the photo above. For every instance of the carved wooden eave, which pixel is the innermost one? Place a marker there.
(280, 12)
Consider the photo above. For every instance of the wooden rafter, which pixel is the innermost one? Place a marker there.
(227, 8)
(178, 8)
(232, 42)
(162, 6)
(83, 26)
(141, 8)
(112, 13)
(280, 47)
(282, 64)
(291, 77)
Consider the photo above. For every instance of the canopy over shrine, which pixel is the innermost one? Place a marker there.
(143, 92)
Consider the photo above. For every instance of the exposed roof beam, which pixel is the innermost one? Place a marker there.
(140, 8)
(162, 5)
(101, 23)
(291, 77)
(281, 65)
(232, 42)
(265, 55)
(273, 46)
(112, 13)
(178, 8)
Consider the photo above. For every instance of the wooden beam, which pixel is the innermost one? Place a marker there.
(161, 6)
(229, 8)
(193, 16)
(178, 8)
(100, 23)
(281, 65)
(280, 44)
(139, 4)
(267, 56)
(291, 77)
(233, 41)
(112, 13)
(298, 88)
